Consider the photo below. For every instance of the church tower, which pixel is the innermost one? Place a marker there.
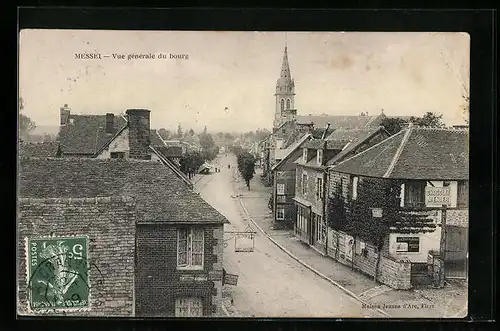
(285, 93)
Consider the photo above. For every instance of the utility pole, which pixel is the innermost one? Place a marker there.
(442, 246)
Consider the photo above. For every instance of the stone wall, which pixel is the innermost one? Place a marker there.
(396, 274)
(109, 224)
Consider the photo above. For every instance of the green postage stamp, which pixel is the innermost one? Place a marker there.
(58, 272)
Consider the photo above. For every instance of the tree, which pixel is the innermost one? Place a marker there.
(190, 162)
(164, 134)
(191, 132)
(395, 124)
(179, 131)
(26, 124)
(360, 222)
(429, 119)
(465, 109)
(246, 166)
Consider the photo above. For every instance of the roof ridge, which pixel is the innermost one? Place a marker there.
(368, 149)
(398, 152)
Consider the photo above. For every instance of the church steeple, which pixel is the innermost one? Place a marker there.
(285, 92)
(285, 82)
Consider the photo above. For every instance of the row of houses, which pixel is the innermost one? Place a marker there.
(107, 194)
(313, 170)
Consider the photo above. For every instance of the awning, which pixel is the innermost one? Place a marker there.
(302, 201)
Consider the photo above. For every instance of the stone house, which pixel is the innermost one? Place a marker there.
(106, 136)
(422, 159)
(178, 238)
(311, 180)
(283, 206)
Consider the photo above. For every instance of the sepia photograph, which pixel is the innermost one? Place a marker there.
(242, 174)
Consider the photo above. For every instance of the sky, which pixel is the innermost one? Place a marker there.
(228, 80)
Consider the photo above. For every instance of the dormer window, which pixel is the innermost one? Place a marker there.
(304, 155)
(319, 156)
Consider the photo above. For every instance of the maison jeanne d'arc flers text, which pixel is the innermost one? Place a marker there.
(109, 226)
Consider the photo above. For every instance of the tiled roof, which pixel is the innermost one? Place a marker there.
(356, 137)
(86, 134)
(155, 139)
(161, 196)
(336, 122)
(414, 153)
(41, 149)
(170, 151)
(330, 144)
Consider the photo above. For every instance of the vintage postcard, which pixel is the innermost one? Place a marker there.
(243, 174)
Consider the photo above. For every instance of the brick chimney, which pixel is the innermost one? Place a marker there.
(65, 112)
(139, 133)
(110, 117)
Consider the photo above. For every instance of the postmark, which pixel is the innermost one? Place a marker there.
(59, 274)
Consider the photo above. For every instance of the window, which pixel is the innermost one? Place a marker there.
(415, 194)
(117, 155)
(462, 194)
(304, 183)
(188, 307)
(320, 229)
(301, 221)
(280, 214)
(304, 155)
(319, 156)
(319, 188)
(280, 189)
(190, 248)
(282, 104)
(287, 103)
(281, 199)
(354, 187)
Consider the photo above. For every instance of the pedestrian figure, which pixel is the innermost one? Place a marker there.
(229, 166)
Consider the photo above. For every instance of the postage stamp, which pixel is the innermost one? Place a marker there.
(58, 271)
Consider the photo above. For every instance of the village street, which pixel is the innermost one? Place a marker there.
(270, 283)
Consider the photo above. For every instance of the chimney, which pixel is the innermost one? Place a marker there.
(324, 132)
(139, 133)
(65, 112)
(110, 122)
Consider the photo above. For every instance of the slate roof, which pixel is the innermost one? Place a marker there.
(87, 134)
(414, 153)
(161, 196)
(38, 149)
(346, 122)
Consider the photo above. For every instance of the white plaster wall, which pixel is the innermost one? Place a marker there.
(428, 241)
(119, 144)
